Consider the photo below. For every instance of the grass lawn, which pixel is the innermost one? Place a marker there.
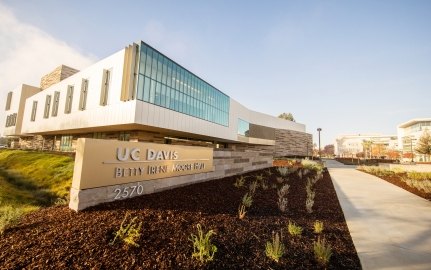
(29, 180)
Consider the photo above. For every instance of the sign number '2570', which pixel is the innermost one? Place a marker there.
(128, 192)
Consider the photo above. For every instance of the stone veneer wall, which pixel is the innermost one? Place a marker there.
(57, 75)
(227, 162)
(292, 143)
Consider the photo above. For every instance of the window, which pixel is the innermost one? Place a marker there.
(66, 143)
(105, 87)
(33, 111)
(56, 102)
(99, 135)
(47, 106)
(7, 120)
(164, 83)
(83, 96)
(8, 101)
(243, 128)
(123, 136)
(69, 98)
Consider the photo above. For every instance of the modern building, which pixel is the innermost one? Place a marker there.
(363, 144)
(408, 136)
(139, 94)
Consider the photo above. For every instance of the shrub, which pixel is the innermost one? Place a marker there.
(239, 182)
(318, 227)
(300, 174)
(280, 180)
(203, 250)
(253, 186)
(247, 200)
(241, 211)
(322, 251)
(9, 216)
(420, 176)
(269, 172)
(275, 249)
(294, 229)
(282, 197)
(283, 171)
(264, 185)
(130, 233)
(259, 177)
(309, 201)
(312, 165)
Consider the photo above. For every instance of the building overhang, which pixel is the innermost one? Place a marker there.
(413, 121)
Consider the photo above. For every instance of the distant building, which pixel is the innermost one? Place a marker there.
(353, 145)
(408, 136)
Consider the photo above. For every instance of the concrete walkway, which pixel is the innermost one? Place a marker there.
(390, 227)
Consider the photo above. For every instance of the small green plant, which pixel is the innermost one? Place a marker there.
(312, 165)
(9, 216)
(282, 197)
(240, 181)
(253, 186)
(299, 174)
(309, 201)
(241, 211)
(247, 200)
(259, 177)
(322, 251)
(203, 250)
(129, 233)
(275, 249)
(318, 227)
(283, 171)
(269, 172)
(264, 185)
(294, 229)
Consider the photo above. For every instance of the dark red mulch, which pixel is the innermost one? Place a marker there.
(396, 180)
(58, 238)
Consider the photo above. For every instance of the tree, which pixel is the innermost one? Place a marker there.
(287, 116)
(423, 145)
(393, 154)
(328, 150)
(367, 145)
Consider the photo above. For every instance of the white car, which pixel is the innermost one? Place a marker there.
(3, 146)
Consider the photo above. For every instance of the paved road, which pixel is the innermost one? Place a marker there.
(390, 227)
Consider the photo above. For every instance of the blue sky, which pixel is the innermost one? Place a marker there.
(348, 67)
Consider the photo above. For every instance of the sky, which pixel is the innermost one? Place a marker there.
(348, 67)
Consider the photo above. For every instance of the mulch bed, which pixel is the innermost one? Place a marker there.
(58, 238)
(396, 180)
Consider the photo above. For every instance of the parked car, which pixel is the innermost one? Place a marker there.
(3, 146)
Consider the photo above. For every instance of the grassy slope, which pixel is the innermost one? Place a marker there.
(32, 179)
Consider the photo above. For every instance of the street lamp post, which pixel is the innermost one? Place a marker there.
(318, 130)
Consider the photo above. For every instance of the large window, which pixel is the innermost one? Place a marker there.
(243, 128)
(164, 83)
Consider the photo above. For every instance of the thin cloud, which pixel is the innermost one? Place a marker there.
(27, 53)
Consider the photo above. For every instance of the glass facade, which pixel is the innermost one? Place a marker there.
(165, 83)
(243, 128)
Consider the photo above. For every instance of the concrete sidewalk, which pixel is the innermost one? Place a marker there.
(390, 227)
